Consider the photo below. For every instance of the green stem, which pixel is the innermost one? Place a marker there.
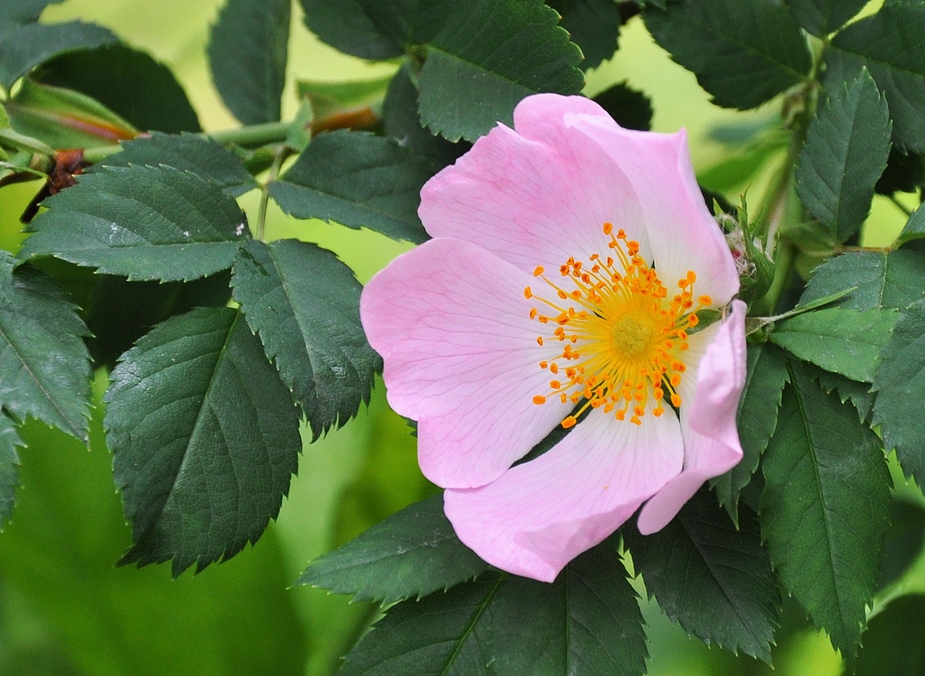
(252, 136)
(783, 267)
(279, 157)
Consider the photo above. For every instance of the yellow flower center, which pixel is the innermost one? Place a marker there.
(619, 338)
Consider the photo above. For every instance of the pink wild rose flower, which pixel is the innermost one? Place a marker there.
(568, 258)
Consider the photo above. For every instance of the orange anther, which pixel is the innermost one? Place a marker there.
(608, 228)
(528, 293)
(539, 400)
(538, 270)
(569, 422)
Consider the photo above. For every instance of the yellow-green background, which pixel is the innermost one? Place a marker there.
(66, 609)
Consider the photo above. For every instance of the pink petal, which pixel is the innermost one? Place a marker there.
(682, 233)
(461, 357)
(537, 195)
(708, 420)
(541, 514)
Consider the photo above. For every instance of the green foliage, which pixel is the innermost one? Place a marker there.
(593, 25)
(23, 11)
(844, 341)
(358, 180)
(884, 280)
(824, 508)
(129, 82)
(411, 554)
(503, 50)
(44, 366)
(32, 44)
(756, 417)
(743, 52)
(894, 643)
(711, 577)
(914, 228)
(903, 372)
(345, 25)
(196, 154)
(879, 43)
(304, 304)
(247, 54)
(142, 223)
(630, 108)
(9, 476)
(822, 17)
(197, 416)
(846, 151)
(499, 624)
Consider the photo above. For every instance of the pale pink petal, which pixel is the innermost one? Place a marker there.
(682, 233)
(452, 325)
(708, 419)
(541, 514)
(535, 196)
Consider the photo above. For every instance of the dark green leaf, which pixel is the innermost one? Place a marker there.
(401, 121)
(902, 375)
(630, 108)
(247, 55)
(197, 154)
(822, 17)
(411, 554)
(889, 45)
(884, 280)
(914, 228)
(894, 643)
(593, 25)
(858, 393)
(904, 541)
(358, 180)
(905, 172)
(129, 82)
(9, 476)
(487, 57)
(843, 341)
(847, 146)
(23, 11)
(824, 509)
(64, 118)
(25, 47)
(713, 579)
(743, 52)
(587, 621)
(44, 366)
(141, 223)
(757, 416)
(304, 304)
(205, 439)
(345, 25)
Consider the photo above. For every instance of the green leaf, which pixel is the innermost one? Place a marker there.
(914, 228)
(593, 25)
(904, 541)
(9, 476)
(44, 365)
(247, 55)
(23, 11)
(411, 554)
(884, 280)
(141, 223)
(401, 121)
(844, 341)
(858, 393)
(894, 643)
(304, 304)
(346, 26)
(330, 100)
(127, 81)
(847, 146)
(630, 108)
(822, 17)
(30, 45)
(901, 375)
(63, 118)
(824, 509)
(884, 44)
(502, 50)
(200, 155)
(499, 624)
(756, 418)
(358, 180)
(712, 578)
(743, 52)
(205, 438)
(905, 172)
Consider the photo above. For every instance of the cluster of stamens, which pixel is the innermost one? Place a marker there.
(618, 336)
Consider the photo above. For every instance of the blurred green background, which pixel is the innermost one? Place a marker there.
(64, 606)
